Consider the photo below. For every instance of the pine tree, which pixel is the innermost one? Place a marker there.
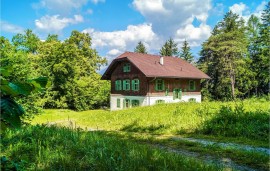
(223, 57)
(169, 48)
(185, 52)
(140, 48)
(263, 59)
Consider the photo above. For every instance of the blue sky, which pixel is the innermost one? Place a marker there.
(118, 25)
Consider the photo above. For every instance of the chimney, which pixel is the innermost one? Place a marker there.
(161, 60)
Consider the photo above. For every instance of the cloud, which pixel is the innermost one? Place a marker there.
(238, 8)
(243, 11)
(174, 18)
(123, 40)
(55, 24)
(10, 28)
(63, 7)
(194, 35)
(97, 1)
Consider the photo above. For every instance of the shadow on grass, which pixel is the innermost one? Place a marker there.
(135, 127)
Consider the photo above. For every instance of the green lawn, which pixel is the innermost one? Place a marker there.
(54, 148)
(247, 121)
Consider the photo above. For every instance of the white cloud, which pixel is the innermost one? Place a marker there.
(194, 35)
(89, 11)
(97, 1)
(55, 23)
(173, 18)
(243, 11)
(63, 7)
(238, 8)
(123, 40)
(10, 28)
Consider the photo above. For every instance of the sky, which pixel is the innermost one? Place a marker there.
(117, 26)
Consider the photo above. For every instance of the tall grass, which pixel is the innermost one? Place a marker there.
(209, 118)
(52, 148)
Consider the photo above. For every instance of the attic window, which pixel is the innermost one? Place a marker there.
(126, 67)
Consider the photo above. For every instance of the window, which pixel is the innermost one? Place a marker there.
(118, 103)
(135, 103)
(118, 85)
(126, 67)
(135, 85)
(126, 103)
(159, 85)
(192, 85)
(160, 101)
(192, 100)
(126, 85)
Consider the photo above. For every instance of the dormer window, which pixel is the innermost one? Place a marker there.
(126, 67)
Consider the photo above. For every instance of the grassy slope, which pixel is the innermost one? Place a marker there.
(181, 118)
(52, 148)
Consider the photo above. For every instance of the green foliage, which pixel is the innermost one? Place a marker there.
(12, 112)
(185, 52)
(223, 58)
(72, 65)
(237, 122)
(160, 119)
(68, 149)
(140, 48)
(169, 48)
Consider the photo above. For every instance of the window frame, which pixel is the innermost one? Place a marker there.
(125, 83)
(135, 84)
(158, 83)
(133, 102)
(118, 85)
(126, 67)
(118, 103)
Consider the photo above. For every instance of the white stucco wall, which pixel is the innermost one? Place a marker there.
(148, 100)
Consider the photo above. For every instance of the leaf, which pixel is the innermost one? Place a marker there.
(11, 111)
(22, 88)
(5, 71)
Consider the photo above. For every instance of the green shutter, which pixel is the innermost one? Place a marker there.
(174, 94)
(138, 84)
(115, 84)
(124, 84)
(120, 85)
(166, 92)
(133, 85)
(128, 84)
(156, 85)
(180, 94)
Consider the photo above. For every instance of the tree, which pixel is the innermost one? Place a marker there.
(223, 58)
(185, 52)
(72, 65)
(262, 60)
(140, 48)
(169, 48)
(27, 42)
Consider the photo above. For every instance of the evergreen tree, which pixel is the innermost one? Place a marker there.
(223, 58)
(169, 48)
(262, 61)
(185, 52)
(140, 48)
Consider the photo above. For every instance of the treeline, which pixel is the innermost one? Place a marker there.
(235, 56)
(70, 65)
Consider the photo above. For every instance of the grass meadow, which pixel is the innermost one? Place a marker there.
(129, 137)
(60, 148)
(247, 120)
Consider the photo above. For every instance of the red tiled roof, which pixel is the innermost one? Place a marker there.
(150, 66)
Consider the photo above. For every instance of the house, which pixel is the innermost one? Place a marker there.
(139, 79)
